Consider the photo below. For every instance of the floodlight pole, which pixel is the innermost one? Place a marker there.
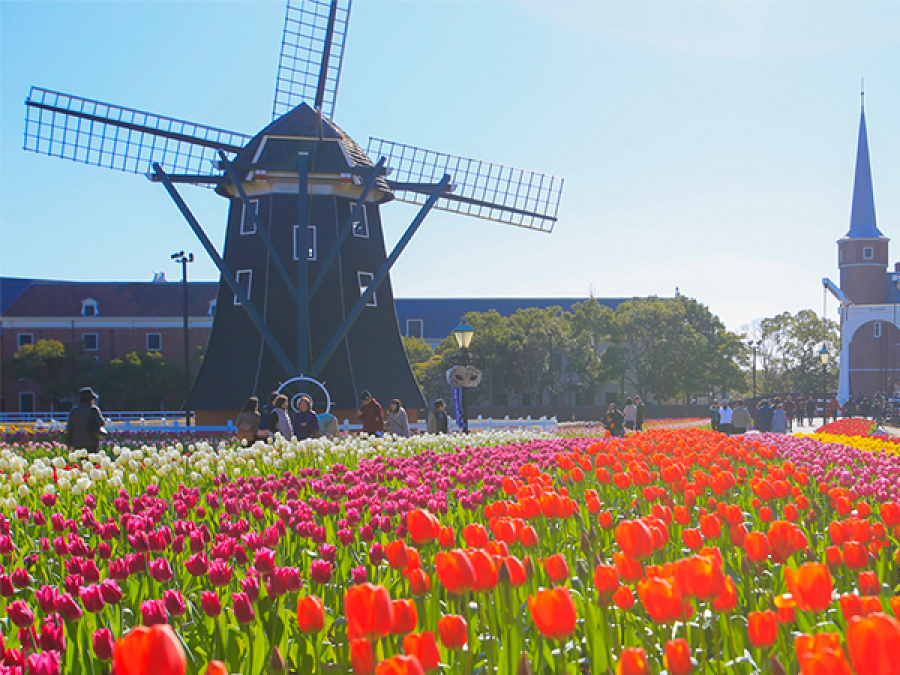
(302, 296)
(184, 259)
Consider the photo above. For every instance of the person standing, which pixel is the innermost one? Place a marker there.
(779, 420)
(397, 421)
(639, 415)
(437, 418)
(833, 408)
(614, 421)
(740, 418)
(248, 421)
(811, 409)
(371, 414)
(630, 413)
(725, 417)
(801, 410)
(764, 416)
(268, 420)
(789, 409)
(306, 422)
(85, 426)
(714, 415)
(282, 423)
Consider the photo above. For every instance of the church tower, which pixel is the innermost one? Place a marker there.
(863, 251)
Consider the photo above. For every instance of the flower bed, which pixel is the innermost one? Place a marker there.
(853, 426)
(682, 550)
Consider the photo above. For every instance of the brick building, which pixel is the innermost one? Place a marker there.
(108, 320)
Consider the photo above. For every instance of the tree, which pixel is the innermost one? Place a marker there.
(791, 345)
(143, 381)
(592, 325)
(58, 370)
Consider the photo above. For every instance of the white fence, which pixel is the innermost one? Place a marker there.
(175, 421)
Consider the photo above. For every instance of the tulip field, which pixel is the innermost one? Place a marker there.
(670, 551)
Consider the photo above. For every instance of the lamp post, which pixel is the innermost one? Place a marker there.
(184, 259)
(824, 356)
(754, 345)
(463, 334)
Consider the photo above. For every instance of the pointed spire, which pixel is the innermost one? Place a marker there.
(862, 214)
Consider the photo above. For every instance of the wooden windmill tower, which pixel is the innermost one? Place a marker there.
(305, 301)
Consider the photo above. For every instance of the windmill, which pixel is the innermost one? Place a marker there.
(305, 303)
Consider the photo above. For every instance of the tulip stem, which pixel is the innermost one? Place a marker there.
(562, 665)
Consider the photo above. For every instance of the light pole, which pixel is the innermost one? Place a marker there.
(463, 334)
(754, 345)
(823, 356)
(184, 259)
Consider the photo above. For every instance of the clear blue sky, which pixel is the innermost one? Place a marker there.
(705, 145)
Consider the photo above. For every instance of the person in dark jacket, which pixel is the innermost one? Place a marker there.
(614, 421)
(714, 416)
(639, 418)
(438, 422)
(268, 420)
(306, 422)
(764, 413)
(811, 406)
(84, 429)
(371, 414)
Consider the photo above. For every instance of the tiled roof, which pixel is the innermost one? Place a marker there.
(119, 299)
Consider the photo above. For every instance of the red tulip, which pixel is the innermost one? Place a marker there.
(623, 597)
(153, 612)
(210, 603)
(424, 647)
(446, 537)
(874, 643)
(756, 546)
(662, 599)
(174, 602)
(419, 582)
(762, 628)
(453, 631)
(310, 614)
(727, 600)
(216, 668)
(242, 607)
(810, 585)
(454, 570)
(400, 665)
(149, 651)
(362, 660)
(856, 555)
(405, 617)
(869, 584)
(369, 612)
(422, 526)
(486, 573)
(633, 661)
(553, 612)
(634, 538)
(20, 613)
(160, 570)
(476, 535)
(557, 568)
(396, 554)
(678, 657)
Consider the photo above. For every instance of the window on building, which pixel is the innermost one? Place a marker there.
(248, 223)
(90, 307)
(154, 342)
(878, 329)
(25, 339)
(26, 401)
(361, 224)
(868, 253)
(91, 342)
(212, 308)
(365, 280)
(244, 279)
(312, 243)
(415, 328)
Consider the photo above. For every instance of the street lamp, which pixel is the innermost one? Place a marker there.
(824, 356)
(184, 259)
(463, 334)
(754, 345)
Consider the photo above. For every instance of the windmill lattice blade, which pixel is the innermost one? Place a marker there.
(482, 190)
(305, 42)
(120, 138)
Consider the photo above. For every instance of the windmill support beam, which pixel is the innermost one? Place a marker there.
(345, 230)
(326, 53)
(267, 240)
(227, 276)
(379, 277)
(188, 178)
(302, 296)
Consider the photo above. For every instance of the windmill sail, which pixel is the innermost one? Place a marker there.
(312, 50)
(125, 139)
(481, 189)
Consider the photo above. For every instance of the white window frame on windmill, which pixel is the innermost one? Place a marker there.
(868, 253)
(156, 344)
(418, 331)
(373, 301)
(247, 286)
(92, 345)
(26, 339)
(877, 329)
(361, 224)
(313, 239)
(248, 225)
